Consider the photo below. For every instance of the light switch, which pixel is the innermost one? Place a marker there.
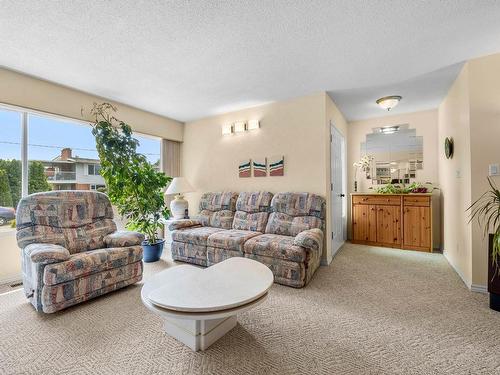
(493, 170)
(458, 173)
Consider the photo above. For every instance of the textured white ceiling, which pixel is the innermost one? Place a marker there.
(190, 59)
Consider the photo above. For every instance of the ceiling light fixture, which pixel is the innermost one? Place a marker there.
(389, 102)
(389, 129)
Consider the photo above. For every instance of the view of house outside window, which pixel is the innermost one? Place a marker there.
(61, 156)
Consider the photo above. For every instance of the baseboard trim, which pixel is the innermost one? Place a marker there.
(478, 288)
(10, 279)
(467, 283)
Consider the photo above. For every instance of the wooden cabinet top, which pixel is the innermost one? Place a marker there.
(388, 195)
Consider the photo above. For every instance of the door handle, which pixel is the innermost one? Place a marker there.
(341, 195)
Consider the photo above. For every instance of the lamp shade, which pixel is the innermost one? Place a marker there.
(179, 185)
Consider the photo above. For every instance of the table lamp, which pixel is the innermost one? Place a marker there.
(179, 206)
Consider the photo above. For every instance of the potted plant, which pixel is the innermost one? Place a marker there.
(133, 185)
(487, 212)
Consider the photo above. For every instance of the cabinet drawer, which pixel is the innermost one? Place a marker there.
(390, 200)
(417, 201)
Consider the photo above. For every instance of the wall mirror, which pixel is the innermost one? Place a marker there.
(397, 154)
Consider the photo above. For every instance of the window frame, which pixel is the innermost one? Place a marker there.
(25, 112)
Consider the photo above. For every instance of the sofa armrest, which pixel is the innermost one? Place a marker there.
(123, 239)
(46, 253)
(310, 239)
(183, 223)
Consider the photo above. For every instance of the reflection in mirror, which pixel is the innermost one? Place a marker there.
(397, 154)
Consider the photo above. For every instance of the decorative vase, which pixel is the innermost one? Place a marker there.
(152, 252)
(355, 186)
(178, 207)
(493, 279)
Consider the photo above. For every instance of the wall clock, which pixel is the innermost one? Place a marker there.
(448, 147)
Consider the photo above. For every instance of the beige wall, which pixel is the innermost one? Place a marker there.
(10, 264)
(484, 89)
(25, 91)
(295, 128)
(426, 125)
(470, 114)
(455, 176)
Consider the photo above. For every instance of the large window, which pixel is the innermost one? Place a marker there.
(59, 154)
(10, 167)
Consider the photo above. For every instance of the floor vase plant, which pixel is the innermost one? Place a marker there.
(133, 185)
(486, 210)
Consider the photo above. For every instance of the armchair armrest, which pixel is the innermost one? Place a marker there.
(46, 253)
(311, 239)
(123, 239)
(183, 223)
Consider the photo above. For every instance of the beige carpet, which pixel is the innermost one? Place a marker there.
(373, 311)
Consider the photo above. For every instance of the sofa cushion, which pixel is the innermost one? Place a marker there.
(250, 221)
(231, 239)
(46, 253)
(196, 236)
(299, 204)
(216, 219)
(86, 263)
(79, 287)
(218, 201)
(63, 209)
(275, 246)
(188, 252)
(123, 238)
(287, 225)
(255, 201)
(311, 239)
(84, 238)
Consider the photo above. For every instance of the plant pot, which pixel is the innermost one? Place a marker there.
(493, 279)
(152, 252)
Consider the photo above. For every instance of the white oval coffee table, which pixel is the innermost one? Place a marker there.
(199, 305)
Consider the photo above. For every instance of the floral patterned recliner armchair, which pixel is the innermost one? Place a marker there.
(71, 251)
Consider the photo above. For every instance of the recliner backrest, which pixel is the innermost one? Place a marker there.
(76, 220)
(252, 211)
(217, 209)
(293, 213)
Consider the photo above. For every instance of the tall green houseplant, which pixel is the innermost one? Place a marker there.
(133, 185)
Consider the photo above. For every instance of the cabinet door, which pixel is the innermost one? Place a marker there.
(364, 223)
(389, 224)
(417, 227)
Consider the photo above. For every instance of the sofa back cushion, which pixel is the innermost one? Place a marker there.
(76, 220)
(217, 209)
(293, 213)
(252, 211)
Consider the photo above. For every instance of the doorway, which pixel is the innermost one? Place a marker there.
(338, 188)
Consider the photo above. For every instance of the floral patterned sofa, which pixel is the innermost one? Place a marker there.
(284, 232)
(71, 251)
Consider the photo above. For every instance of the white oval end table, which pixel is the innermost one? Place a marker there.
(199, 305)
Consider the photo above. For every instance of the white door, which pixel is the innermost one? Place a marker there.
(338, 189)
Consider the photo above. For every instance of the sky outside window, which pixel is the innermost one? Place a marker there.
(47, 136)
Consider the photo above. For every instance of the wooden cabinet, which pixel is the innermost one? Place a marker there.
(389, 225)
(365, 224)
(417, 228)
(401, 221)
